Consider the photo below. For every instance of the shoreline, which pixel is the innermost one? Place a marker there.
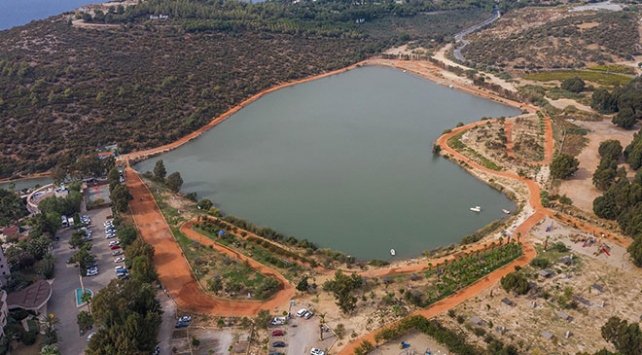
(425, 71)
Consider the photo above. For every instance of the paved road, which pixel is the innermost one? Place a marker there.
(67, 279)
(459, 37)
(168, 322)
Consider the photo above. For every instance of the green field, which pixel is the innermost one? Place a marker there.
(614, 68)
(598, 77)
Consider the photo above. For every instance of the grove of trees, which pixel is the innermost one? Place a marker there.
(564, 166)
(625, 100)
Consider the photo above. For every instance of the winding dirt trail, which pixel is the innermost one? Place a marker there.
(174, 271)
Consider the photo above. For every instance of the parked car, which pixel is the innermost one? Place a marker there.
(117, 252)
(185, 319)
(180, 324)
(279, 321)
(120, 268)
(114, 242)
(315, 351)
(93, 271)
(119, 259)
(301, 312)
(308, 315)
(279, 344)
(114, 247)
(276, 353)
(109, 236)
(108, 222)
(278, 333)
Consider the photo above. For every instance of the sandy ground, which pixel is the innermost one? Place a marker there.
(419, 344)
(580, 187)
(173, 269)
(564, 103)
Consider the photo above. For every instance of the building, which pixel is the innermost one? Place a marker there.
(4, 311)
(4, 269)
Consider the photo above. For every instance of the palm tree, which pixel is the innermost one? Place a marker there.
(86, 298)
(321, 324)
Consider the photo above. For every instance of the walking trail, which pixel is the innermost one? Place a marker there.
(174, 271)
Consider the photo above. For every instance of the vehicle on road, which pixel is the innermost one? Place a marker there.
(279, 344)
(315, 351)
(278, 333)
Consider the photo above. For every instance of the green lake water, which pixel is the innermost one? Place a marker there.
(346, 162)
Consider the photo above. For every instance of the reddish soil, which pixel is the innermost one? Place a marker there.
(173, 269)
(508, 130)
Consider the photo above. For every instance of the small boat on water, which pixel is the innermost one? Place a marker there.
(506, 211)
(476, 209)
(393, 252)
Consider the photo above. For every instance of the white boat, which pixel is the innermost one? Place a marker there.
(476, 209)
(393, 252)
(506, 211)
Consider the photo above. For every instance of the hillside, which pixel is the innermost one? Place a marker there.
(142, 83)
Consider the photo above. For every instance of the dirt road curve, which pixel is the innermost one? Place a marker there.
(173, 269)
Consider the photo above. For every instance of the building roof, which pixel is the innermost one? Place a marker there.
(32, 297)
(11, 231)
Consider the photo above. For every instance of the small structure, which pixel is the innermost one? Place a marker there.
(564, 316)
(11, 232)
(546, 273)
(597, 289)
(31, 298)
(567, 260)
(475, 320)
(548, 335)
(582, 300)
(508, 302)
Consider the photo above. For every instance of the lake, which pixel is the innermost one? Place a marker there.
(346, 162)
(20, 12)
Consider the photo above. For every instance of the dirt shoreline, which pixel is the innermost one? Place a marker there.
(425, 69)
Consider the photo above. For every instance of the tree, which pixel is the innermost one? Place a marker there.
(573, 84)
(126, 233)
(635, 250)
(564, 166)
(610, 150)
(11, 207)
(205, 204)
(625, 118)
(142, 268)
(603, 101)
(77, 239)
(159, 170)
(113, 178)
(120, 198)
(343, 287)
(83, 257)
(516, 282)
(627, 338)
(174, 181)
(84, 320)
(303, 285)
(50, 349)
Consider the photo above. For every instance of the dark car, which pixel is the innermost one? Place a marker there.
(276, 353)
(278, 333)
(181, 325)
(279, 344)
(114, 247)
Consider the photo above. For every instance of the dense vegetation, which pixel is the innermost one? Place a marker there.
(65, 91)
(626, 337)
(461, 272)
(625, 100)
(11, 207)
(343, 288)
(606, 173)
(561, 43)
(564, 166)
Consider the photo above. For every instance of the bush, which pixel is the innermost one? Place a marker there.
(573, 84)
(516, 282)
(540, 263)
(564, 166)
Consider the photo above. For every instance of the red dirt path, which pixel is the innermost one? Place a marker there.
(173, 269)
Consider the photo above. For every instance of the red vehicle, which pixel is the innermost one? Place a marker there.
(115, 247)
(278, 333)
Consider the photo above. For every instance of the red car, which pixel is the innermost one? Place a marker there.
(278, 333)
(115, 247)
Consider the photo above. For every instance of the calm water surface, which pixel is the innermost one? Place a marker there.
(346, 162)
(20, 12)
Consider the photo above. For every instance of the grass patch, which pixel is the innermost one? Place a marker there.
(456, 143)
(598, 77)
(458, 274)
(614, 68)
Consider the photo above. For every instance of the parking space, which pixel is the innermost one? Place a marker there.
(67, 280)
(301, 335)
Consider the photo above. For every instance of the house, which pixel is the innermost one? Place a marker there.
(31, 298)
(11, 232)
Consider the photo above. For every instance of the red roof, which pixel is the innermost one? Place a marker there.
(11, 231)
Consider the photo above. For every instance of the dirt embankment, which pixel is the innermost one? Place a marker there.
(174, 271)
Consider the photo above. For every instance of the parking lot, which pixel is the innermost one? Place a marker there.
(67, 279)
(300, 335)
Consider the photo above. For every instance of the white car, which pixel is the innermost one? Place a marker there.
(92, 272)
(119, 259)
(315, 351)
(308, 314)
(301, 312)
(279, 321)
(114, 242)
